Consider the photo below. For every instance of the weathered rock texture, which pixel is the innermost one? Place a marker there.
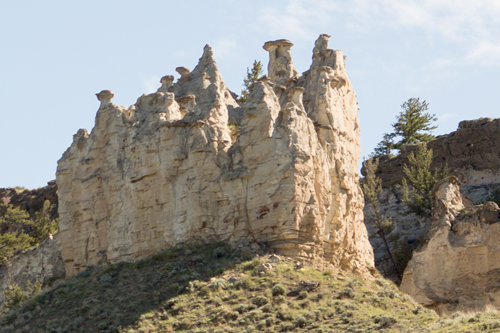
(474, 145)
(40, 263)
(166, 170)
(459, 268)
(472, 154)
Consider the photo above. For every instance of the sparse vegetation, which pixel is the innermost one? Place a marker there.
(15, 294)
(252, 76)
(169, 293)
(372, 186)
(235, 130)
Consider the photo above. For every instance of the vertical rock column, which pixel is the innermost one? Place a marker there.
(331, 103)
(328, 199)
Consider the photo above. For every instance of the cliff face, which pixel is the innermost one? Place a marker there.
(474, 145)
(471, 153)
(166, 170)
(459, 268)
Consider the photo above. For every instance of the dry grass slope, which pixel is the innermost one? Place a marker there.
(215, 288)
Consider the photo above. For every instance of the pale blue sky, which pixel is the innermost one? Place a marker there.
(55, 55)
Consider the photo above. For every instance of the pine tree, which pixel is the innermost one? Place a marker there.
(42, 226)
(421, 179)
(385, 146)
(15, 294)
(413, 123)
(11, 242)
(412, 126)
(252, 77)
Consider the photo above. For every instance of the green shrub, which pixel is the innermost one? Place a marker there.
(217, 284)
(302, 295)
(300, 321)
(280, 299)
(260, 300)
(15, 294)
(252, 264)
(219, 252)
(278, 290)
(346, 293)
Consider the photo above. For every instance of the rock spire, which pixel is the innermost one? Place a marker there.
(172, 168)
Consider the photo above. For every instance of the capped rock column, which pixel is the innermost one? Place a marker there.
(280, 67)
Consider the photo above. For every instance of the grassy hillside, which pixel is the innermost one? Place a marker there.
(214, 288)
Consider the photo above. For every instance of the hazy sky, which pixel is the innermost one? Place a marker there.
(55, 55)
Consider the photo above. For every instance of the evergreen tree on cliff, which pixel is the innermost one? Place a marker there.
(413, 125)
(252, 77)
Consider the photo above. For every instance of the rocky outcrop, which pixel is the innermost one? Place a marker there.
(475, 145)
(41, 263)
(407, 232)
(166, 170)
(459, 268)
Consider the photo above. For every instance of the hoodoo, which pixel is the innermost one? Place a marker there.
(167, 170)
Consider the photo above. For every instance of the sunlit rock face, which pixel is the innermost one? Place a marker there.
(167, 170)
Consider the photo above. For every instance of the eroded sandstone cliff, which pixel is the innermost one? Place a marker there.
(471, 153)
(166, 170)
(458, 269)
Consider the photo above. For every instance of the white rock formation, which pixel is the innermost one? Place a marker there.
(166, 170)
(459, 268)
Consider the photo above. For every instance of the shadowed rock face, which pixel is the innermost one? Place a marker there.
(167, 171)
(35, 264)
(474, 145)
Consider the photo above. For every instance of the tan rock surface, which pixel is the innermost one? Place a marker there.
(166, 170)
(459, 268)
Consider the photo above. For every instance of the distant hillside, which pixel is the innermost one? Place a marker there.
(215, 288)
(31, 200)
